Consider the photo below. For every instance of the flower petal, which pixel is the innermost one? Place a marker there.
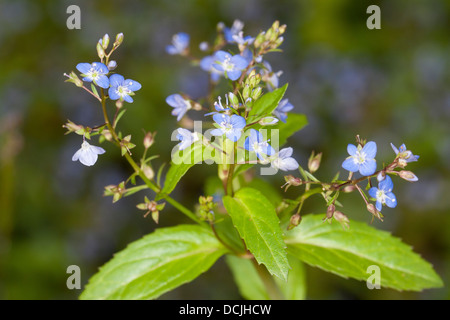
(350, 165)
(102, 81)
(84, 67)
(373, 192)
(368, 167)
(133, 85)
(391, 200)
(237, 121)
(386, 185)
(351, 149)
(116, 80)
(370, 149)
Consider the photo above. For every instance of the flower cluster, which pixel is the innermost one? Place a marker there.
(248, 72)
(119, 89)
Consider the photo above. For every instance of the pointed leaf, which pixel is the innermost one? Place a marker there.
(257, 223)
(349, 253)
(155, 264)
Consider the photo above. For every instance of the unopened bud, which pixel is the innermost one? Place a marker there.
(256, 93)
(314, 162)
(294, 221)
(349, 188)
(100, 51)
(330, 211)
(408, 176)
(105, 41)
(119, 39)
(371, 208)
(149, 139)
(112, 65)
(381, 176)
(260, 38)
(148, 171)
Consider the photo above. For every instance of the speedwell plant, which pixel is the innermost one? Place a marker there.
(265, 238)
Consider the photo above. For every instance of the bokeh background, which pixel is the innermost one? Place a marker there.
(388, 85)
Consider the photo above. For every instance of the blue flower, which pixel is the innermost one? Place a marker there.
(186, 137)
(180, 105)
(95, 72)
(206, 64)
(180, 43)
(383, 194)
(282, 109)
(284, 161)
(121, 88)
(361, 159)
(270, 77)
(234, 30)
(255, 143)
(218, 105)
(404, 156)
(231, 66)
(240, 40)
(230, 126)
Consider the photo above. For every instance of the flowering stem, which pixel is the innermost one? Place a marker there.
(141, 174)
(229, 186)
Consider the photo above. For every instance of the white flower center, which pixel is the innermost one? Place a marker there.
(227, 65)
(123, 91)
(359, 157)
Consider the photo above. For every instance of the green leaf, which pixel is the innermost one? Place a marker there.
(155, 264)
(185, 160)
(257, 223)
(251, 286)
(266, 104)
(348, 253)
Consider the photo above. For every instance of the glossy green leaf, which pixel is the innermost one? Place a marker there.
(266, 104)
(349, 253)
(155, 264)
(183, 161)
(257, 223)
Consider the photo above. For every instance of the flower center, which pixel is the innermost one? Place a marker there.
(359, 157)
(227, 65)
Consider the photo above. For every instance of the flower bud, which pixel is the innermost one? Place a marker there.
(100, 51)
(256, 93)
(330, 211)
(119, 39)
(381, 176)
(148, 171)
(314, 162)
(349, 188)
(408, 176)
(105, 41)
(112, 65)
(294, 221)
(260, 38)
(149, 139)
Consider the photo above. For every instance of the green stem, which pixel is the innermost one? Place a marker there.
(141, 174)
(271, 288)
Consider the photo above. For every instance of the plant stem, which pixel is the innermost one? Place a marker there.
(141, 174)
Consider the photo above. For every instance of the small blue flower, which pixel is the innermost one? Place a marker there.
(284, 161)
(186, 137)
(95, 72)
(206, 64)
(231, 126)
(361, 159)
(180, 43)
(282, 109)
(121, 88)
(383, 194)
(241, 40)
(255, 143)
(180, 105)
(404, 155)
(231, 66)
(234, 30)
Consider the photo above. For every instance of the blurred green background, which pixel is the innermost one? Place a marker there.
(388, 85)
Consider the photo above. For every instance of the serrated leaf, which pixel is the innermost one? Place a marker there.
(155, 264)
(185, 160)
(266, 104)
(251, 286)
(257, 223)
(348, 253)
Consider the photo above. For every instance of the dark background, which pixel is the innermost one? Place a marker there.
(388, 85)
